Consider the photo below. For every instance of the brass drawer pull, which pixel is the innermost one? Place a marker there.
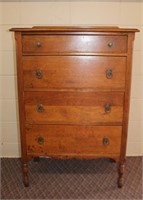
(40, 107)
(105, 141)
(38, 44)
(39, 73)
(40, 140)
(109, 73)
(107, 108)
(110, 44)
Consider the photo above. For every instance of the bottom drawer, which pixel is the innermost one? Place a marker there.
(73, 141)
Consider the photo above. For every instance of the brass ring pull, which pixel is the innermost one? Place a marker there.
(40, 107)
(38, 44)
(110, 44)
(107, 108)
(39, 73)
(109, 73)
(106, 141)
(40, 140)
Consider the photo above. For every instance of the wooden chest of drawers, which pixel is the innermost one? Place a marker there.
(74, 88)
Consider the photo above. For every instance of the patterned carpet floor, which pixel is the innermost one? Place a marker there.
(71, 179)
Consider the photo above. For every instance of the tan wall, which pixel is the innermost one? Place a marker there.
(127, 13)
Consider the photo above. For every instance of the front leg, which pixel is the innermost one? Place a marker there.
(25, 174)
(121, 172)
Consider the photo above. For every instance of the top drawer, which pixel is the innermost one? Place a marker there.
(56, 44)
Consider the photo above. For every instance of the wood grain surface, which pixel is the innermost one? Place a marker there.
(74, 43)
(74, 72)
(73, 139)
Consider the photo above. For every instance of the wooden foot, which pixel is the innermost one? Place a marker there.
(25, 174)
(121, 171)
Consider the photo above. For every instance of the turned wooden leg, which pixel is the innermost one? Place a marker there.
(121, 171)
(25, 174)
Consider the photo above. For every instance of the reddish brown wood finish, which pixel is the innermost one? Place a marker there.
(24, 158)
(80, 98)
(65, 140)
(69, 106)
(74, 44)
(73, 108)
(74, 72)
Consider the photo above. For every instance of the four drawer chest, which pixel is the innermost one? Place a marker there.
(74, 92)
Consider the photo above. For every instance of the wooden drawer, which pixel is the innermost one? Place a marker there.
(73, 140)
(98, 72)
(73, 107)
(57, 44)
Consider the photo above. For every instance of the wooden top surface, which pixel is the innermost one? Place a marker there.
(74, 29)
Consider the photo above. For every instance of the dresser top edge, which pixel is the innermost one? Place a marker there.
(74, 29)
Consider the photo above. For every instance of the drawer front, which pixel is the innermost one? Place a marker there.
(73, 140)
(73, 107)
(98, 72)
(74, 44)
